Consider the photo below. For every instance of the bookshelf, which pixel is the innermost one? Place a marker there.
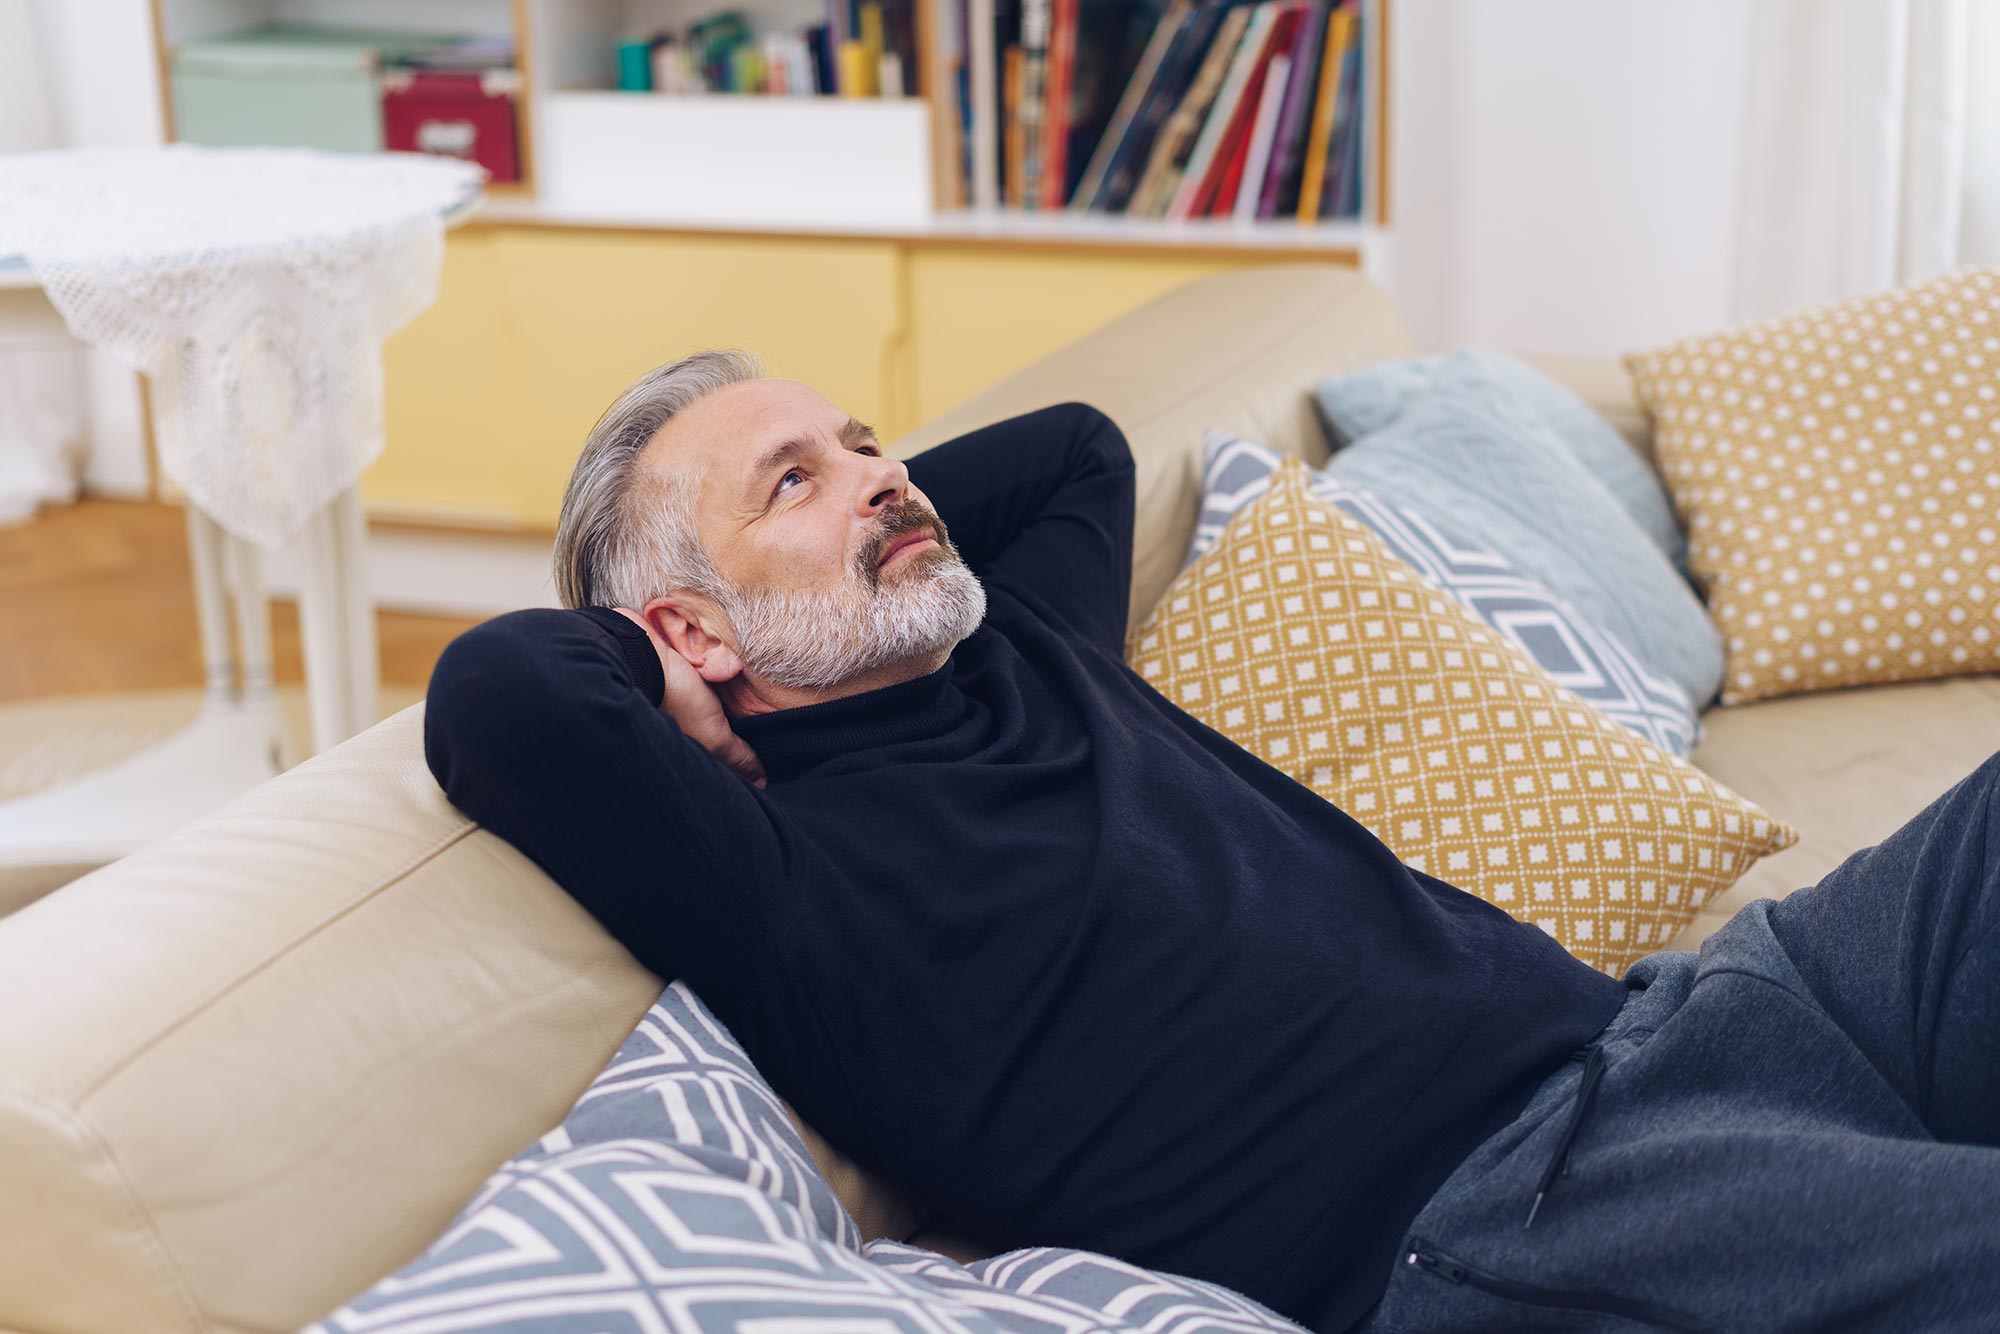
(833, 242)
(596, 158)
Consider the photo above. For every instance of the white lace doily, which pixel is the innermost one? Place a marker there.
(255, 287)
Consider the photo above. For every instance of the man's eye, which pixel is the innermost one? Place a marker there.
(793, 472)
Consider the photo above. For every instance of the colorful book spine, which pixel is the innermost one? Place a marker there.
(1262, 131)
(1125, 115)
(1011, 71)
(1332, 57)
(1286, 155)
(1035, 16)
(1170, 151)
(983, 93)
(1061, 81)
(1216, 124)
(1346, 128)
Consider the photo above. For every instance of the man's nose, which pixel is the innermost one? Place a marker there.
(888, 482)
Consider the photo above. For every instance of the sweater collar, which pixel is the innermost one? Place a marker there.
(790, 741)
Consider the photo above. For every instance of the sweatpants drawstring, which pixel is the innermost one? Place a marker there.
(1586, 1090)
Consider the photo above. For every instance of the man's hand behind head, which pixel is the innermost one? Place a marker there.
(694, 705)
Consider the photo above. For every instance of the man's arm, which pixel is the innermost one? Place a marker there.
(1045, 502)
(545, 726)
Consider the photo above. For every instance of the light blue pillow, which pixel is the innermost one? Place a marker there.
(678, 1195)
(1540, 623)
(1368, 400)
(1466, 453)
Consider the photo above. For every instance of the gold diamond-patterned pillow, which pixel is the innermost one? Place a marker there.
(1839, 473)
(1304, 638)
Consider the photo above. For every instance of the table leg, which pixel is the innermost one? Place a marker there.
(364, 663)
(323, 631)
(206, 541)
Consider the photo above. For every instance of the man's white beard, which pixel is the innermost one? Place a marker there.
(810, 640)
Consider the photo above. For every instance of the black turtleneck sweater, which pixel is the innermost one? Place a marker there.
(1063, 962)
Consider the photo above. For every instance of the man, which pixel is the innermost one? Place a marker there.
(850, 745)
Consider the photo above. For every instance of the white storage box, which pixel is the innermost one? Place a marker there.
(731, 159)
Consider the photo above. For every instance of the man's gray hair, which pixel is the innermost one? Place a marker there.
(627, 532)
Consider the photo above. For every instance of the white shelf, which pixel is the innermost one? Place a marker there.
(998, 228)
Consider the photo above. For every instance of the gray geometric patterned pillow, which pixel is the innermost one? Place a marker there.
(1541, 622)
(678, 1196)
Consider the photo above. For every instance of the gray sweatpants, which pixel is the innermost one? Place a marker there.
(1797, 1128)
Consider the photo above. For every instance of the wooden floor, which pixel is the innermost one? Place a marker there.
(98, 596)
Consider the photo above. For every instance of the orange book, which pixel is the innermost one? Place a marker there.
(1338, 26)
(1056, 121)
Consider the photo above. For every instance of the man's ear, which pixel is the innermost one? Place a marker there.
(690, 624)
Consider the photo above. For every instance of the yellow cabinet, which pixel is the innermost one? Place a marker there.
(538, 328)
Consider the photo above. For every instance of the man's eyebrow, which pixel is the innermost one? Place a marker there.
(851, 433)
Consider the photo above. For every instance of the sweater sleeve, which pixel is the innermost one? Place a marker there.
(1044, 501)
(545, 726)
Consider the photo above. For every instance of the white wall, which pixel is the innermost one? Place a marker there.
(1564, 171)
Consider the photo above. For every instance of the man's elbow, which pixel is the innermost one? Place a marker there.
(1097, 433)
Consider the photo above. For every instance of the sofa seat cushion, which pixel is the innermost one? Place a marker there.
(1845, 768)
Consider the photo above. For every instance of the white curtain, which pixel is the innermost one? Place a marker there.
(41, 379)
(1871, 148)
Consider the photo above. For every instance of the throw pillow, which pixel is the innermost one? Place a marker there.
(1370, 399)
(1467, 453)
(1539, 621)
(1840, 473)
(1301, 636)
(677, 1195)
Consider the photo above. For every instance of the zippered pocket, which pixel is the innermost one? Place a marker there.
(1422, 1254)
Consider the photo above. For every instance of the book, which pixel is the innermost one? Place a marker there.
(1056, 118)
(1010, 78)
(1215, 124)
(1176, 137)
(983, 103)
(1332, 57)
(1183, 58)
(1029, 104)
(1281, 177)
(1216, 193)
(1346, 127)
(819, 45)
(1249, 193)
(1125, 113)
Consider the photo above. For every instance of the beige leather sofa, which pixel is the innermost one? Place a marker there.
(254, 1066)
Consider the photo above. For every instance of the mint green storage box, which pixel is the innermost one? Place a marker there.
(286, 87)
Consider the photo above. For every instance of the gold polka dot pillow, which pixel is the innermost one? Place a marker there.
(1303, 637)
(1839, 474)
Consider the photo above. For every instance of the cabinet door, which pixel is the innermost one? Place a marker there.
(597, 310)
(452, 446)
(980, 314)
(536, 331)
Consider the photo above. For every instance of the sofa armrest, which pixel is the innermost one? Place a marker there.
(259, 1063)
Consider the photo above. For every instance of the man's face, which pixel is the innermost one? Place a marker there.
(836, 563)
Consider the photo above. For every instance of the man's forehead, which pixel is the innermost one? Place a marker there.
(725, 434)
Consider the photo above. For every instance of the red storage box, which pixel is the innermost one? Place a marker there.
(457, 114)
